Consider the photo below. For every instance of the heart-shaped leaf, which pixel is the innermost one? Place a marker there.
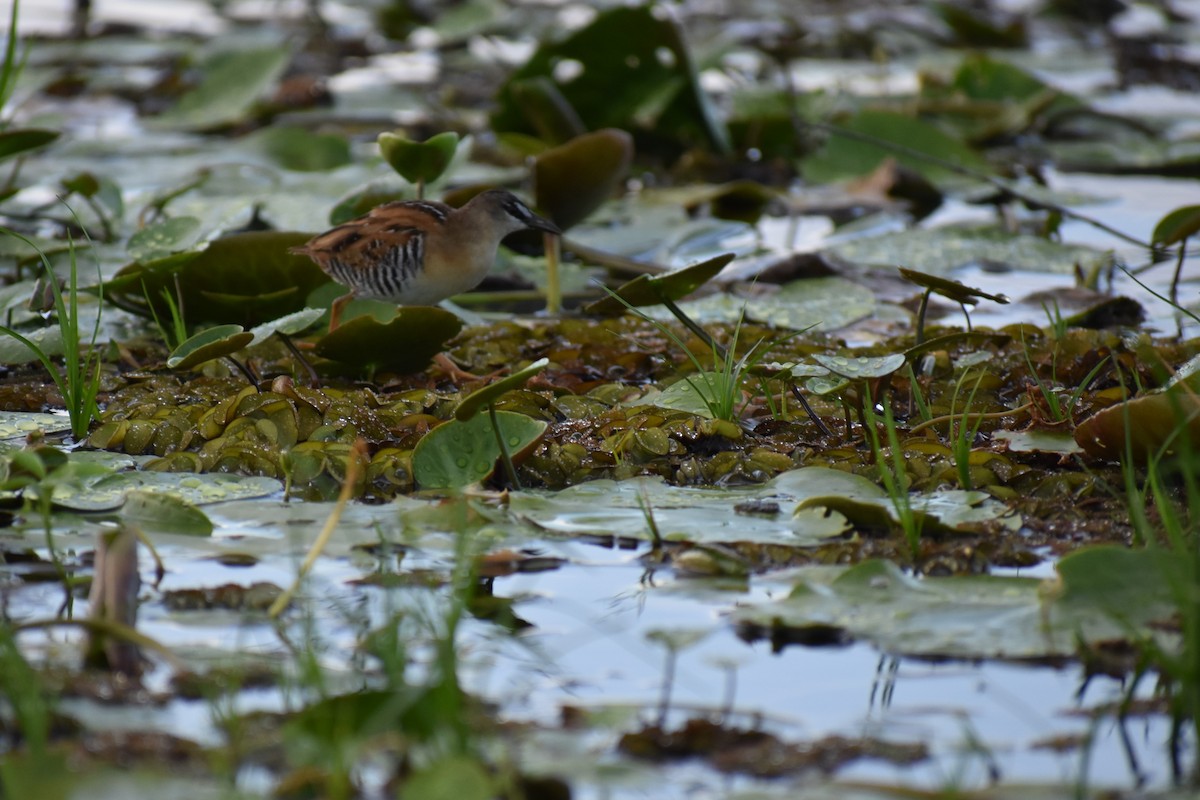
(457, 453)
(419, 162)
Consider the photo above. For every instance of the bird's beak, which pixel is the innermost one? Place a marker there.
(543, 224)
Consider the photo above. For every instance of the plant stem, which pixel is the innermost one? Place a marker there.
(504, 456)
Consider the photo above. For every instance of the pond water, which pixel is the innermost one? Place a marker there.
(591, 629)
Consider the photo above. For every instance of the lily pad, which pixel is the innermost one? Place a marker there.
(941, 250)
(163, 512)
(163, 238)
(248, 278)
(1178, 225)
(232, 82)
(23, 423)
(405, 344)
(861, 368)
(844, 157)
(222, 340)
(629, 68)
(480, 399)
(288, 325)
(821, 304)
(1143, 426)
(110, 492)
(459, 453)
(574, 179)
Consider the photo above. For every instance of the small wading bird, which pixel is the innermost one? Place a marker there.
(419, 252)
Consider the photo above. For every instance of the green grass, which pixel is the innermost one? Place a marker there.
(79, 380)
(892, 473)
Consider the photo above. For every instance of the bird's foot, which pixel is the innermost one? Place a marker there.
(458, 375)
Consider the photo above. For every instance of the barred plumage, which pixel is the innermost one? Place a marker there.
(419, 252)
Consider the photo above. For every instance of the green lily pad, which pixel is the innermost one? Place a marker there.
(163, 512)
(649, 290)
(248, 278)
(163, 238)
(1039, 441)
(823, 304)
(288, 325)
(23, 423)
(109, 492)
(1103, 593)
(861, 368)
(826, 384)
(459, 453)
(1176, 226)
(634, 72)
(303, 150)
(405, 344)
(419, 162)
(574, 179)
(941, 250)
(222, 340)
(844, 157)
(14, 351)
(480, 399)
(697, 393)
(232, 82)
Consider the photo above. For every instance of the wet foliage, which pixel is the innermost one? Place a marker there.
(745, 374)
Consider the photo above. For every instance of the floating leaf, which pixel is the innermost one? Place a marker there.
(1177, 226)
(845, 157)
(450, 778)
(163, 238)
(419, 162)
(456, 454)
(162, 512)
(248, 278)
(941, 250)
(231, 83)
(479, 399)
(574, 179)
(222, 340)
(303, 150)
(546, 110)
(405, 344)
(1143, 426)
(861, 367)
(288, 325)
(13, 351)
(109, 492)
(629, 68)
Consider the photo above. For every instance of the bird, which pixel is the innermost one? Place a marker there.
(419, 252)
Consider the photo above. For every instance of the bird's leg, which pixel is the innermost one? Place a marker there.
(335, 310)
(457, 374)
